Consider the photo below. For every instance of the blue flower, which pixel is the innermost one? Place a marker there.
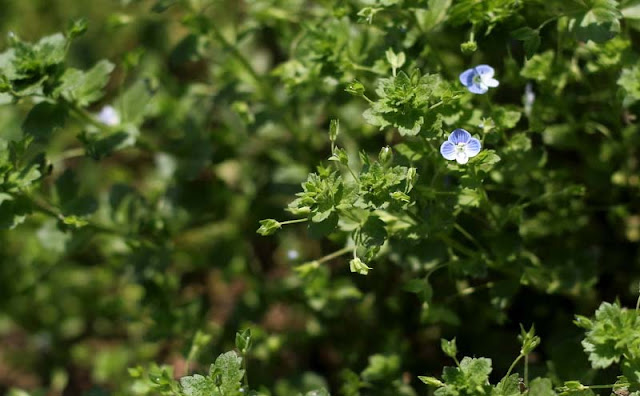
(479, 79)
(460, 146)
(109, 116)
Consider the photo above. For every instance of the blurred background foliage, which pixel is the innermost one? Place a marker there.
(171, 248)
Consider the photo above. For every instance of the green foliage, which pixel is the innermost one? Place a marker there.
(143, 145)
(611, 335)
(404, 101)
(597, 20)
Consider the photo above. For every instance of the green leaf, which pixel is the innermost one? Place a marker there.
(530, 38)
(44, 119)
(373, 232)
(486, 160)
(598, 20)
(100, 145)
(229, 367)
(631, 369)
(70, 200)
(434, 15)
(13, 211)
(134, 103)
(541, 387)
(469, 197)
(475, 371)
(382, 367)
(508, 386)
(404, 101)
(537, 68)
(84, 88)
(613, 333)
(324, 227)
(629, 83)
(198, 385)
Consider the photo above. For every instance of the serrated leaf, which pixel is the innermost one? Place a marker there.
(508, 386)
(44, 119)
(198, 385)
(373, 232)
(541, 387)
(599, 21)
(229, 366)
(84, 88)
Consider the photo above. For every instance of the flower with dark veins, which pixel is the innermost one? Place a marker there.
(479, 79)
(460, 146)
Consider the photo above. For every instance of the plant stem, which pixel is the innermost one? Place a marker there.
(246, 375)
(335, 254)
(293, 221)
(619, 385)
(454, 244)
(513, 365)
(526, 371)
(68, 154)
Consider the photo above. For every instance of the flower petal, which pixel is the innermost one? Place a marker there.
(478, 88)
(462, 157)
(466, 77)
(448, 150)
(485, 70)
(473, 147)
(459, 136)
(490, 82)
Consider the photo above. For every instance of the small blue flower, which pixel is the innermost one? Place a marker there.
(109, 116)
(460, 146)
(479, 79)
(528, 99)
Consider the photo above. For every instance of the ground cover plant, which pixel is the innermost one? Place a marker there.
(332, 197)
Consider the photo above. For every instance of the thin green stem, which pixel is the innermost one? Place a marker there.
(526, 371)
(83, 115)
(612, 386)
(68, 154)
(513, 365)
(335, 254)
(353, 174)
(468, 236)
(293, 221)
(367, 99)
(433, 106)
(246, 372)
(456, 245)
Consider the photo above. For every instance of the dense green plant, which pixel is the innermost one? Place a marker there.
(476, 160)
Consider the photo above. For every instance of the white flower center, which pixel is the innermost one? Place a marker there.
(460, 147)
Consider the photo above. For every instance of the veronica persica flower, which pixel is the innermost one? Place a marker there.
(479, 79)
(109, 116)
(528, 99)
(460, 146)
